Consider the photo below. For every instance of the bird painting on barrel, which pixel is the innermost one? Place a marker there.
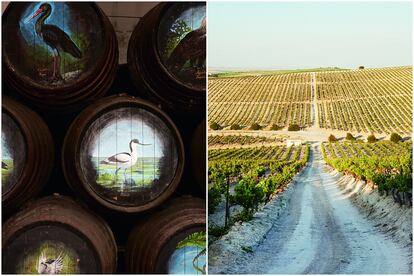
(125, 160)
(50, 266)
(192, 49)
(55, 38)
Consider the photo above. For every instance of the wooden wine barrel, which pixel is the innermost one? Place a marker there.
(171, 241)
(58, 55)
(56, 230)
(167, 55)
(27, 154)
(198, 156)
(124, 154)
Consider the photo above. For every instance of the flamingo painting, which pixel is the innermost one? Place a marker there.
(54, 37)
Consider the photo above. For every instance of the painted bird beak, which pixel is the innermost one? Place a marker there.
(144, 144)
(39, 10)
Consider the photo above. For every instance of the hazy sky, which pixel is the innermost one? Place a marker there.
(305, 34)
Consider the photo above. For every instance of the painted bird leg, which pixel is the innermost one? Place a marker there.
(125, 180)
(116, 171)
(58, 66)
(116, 175)
(125, 174)
(54, 65)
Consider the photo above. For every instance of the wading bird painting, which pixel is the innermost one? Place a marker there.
(128, 152)
(53, 44)
(54, 37)
(138, 161)
(124, 160)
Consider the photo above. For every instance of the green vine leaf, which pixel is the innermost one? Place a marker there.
(197, 239)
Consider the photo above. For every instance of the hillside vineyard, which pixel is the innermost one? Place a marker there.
(367, 100)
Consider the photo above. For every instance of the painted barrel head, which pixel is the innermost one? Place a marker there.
(182, 43)
(128, 156)
(48, 249)
(184, 253)
(13, 149)
(52, 45)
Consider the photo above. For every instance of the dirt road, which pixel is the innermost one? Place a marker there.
(321, 232)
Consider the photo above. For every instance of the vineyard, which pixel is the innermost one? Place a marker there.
(377, 100)
(273, 99)
(214, 140)
(385, 163)
(367, 100)
(257, 173)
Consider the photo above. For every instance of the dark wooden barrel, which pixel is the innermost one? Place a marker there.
(167, 55)
(63, 57)
(198, 156)
(171, 241)
(27, 154)
(123, 153)
(56, 230)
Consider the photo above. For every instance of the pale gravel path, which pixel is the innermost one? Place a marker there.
(319, 232)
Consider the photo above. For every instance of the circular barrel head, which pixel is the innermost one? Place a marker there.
(124, 154)
(58, 55)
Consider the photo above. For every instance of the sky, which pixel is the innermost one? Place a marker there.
(294, 35)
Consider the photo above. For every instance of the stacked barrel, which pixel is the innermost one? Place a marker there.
(94, 154)
(58, 67)
(171, 71)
